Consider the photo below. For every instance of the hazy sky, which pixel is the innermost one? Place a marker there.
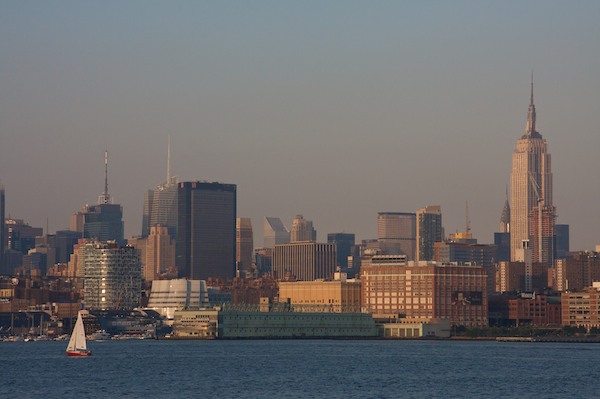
(335, 110)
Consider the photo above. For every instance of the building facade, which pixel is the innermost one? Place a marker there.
(323, 296)
(581, 309)
(302, 230)
(426, 290)
(206, 230)
(168, 296)
(530, 182)
(304, 261)
(112, 276)
(274, 232)
(429, 231)
(104, 222)
(244, 244)
(344, 243)
(397, 229)
(576, 273)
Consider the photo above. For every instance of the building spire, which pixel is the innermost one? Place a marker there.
(530, 126)
(104, 198)
(505, 217)
(169, 161)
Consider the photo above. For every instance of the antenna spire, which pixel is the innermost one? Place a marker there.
(169, 161)
(530, 126)
(104, 198)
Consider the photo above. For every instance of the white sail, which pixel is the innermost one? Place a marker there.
(77, 341)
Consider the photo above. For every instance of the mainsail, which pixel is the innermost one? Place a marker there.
(77, 341)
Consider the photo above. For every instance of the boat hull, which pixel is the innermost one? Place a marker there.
(79, 353)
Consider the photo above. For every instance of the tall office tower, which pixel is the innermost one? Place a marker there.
(304, 261)
(112, 276)
(561, 243)
(160, 204)
(502, 243)
(104, 222)
(157, 252)
(3, 243)
(541, 233)
(397, 230)
(429, 231)
(21, 236)
(244, 245)
(78, 220)
(206, 230)
(344, 243)
(275, 232)
(302, 230)
(530, 182)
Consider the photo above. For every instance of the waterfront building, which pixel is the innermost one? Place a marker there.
(483, 255)
(393, 286)
(536, 310)
(302, 230)
(344, 243)
(581, 308)
(244, 244)
(429, 231)
(416, 328)
(323, 296)
(270, 321)
(530, 183)
(206, 230)
(112, 276)
(396, 233)
(304, 261)
(274, 232)
(168, 296)
(577, 272)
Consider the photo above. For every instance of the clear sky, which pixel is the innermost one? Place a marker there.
(335, 110)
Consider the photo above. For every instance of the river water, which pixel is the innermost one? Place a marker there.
(301, 369)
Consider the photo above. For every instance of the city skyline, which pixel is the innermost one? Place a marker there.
(308, 110)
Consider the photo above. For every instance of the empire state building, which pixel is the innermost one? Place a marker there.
(531, 193)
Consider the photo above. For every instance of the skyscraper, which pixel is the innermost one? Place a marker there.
(397, 229)
(302, 230)
(304, 261)
(104, 222)
(206, 230)
(429, 231)
(160, 204)
(113, 276)
(344, 243)
(530, 182)
(244, 242)
(275, 232)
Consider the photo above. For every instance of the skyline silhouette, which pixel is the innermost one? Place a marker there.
(336, 111)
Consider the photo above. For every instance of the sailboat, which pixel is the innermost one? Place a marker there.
(77, 344)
